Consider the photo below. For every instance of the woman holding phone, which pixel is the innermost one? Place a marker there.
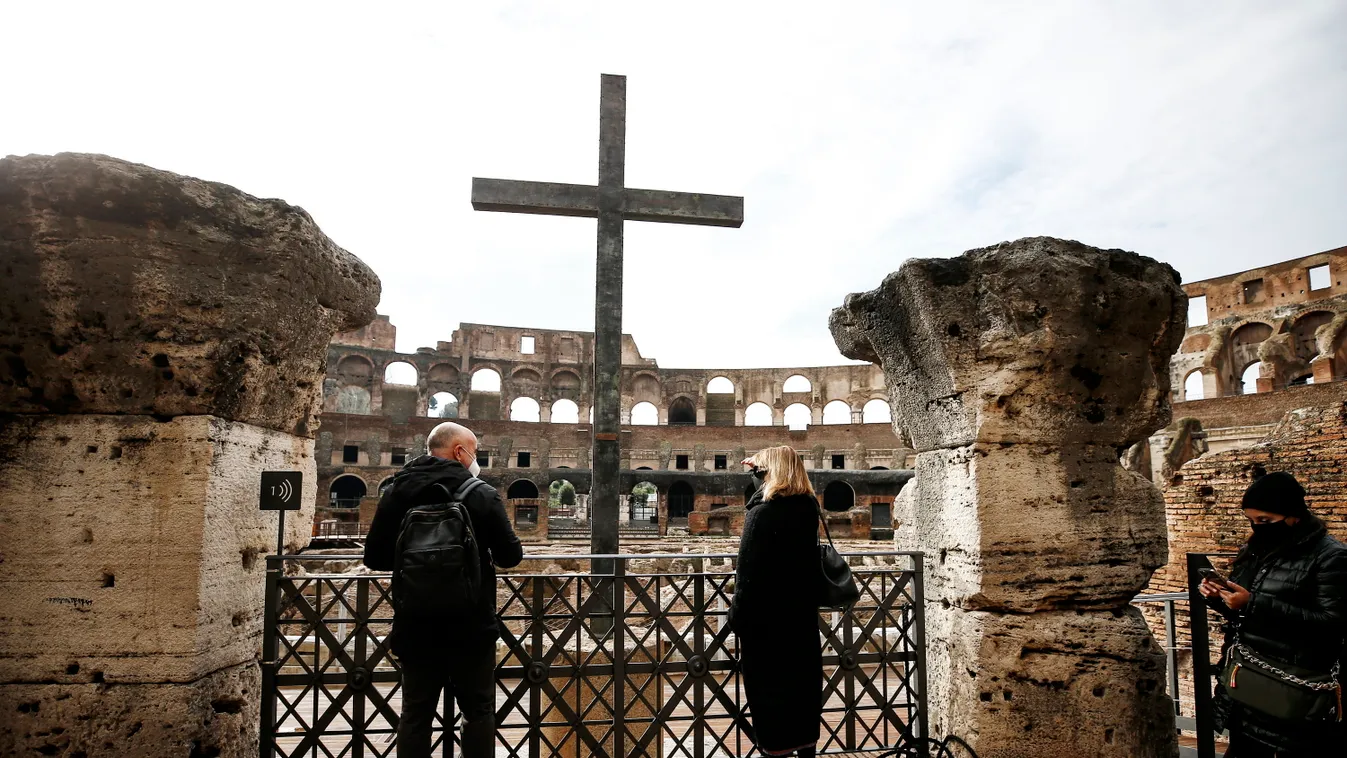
(1286, 603)
(774, 612)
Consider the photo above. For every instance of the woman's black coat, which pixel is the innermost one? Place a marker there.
(1298, 614)
(775, 615)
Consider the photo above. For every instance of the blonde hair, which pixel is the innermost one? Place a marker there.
(785, 473)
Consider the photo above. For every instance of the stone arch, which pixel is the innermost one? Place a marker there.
(797, 383)
(682, 412)
(681, 499)
(1304, 330)
(522, 489)
(442, 373)
(1193, 385)
(565, 385)
(645, 386)
(565, 412)
(401, 372)
(797, 416)
(644, 413)
(525, 409)
(346, 491)
(485, 379)
(837, 412)
(838, 497)
(641, 507)
(1248, 378)
(758, 414)
(720, 385)
(526, 380)
(879, 468)
(355, 369)
(442, 405)
(876, 411)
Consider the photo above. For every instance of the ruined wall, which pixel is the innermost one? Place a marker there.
(1021, 371)
(144, 385)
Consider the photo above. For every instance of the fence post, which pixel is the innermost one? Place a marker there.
(699, 621)
(919, 640)
(1172, 655)
(270, 628)
(1197, 626)
(619, 657)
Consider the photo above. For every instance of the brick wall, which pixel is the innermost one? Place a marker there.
(1261, 408)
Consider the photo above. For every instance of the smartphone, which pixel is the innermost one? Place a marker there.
(1214, 575)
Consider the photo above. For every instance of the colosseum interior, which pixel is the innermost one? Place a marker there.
(1259, 343)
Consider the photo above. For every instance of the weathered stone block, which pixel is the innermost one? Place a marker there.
(1025, 528)
(1036, 340)
(1051, 685)
(216, 715)
(132, 290)
(136, 545)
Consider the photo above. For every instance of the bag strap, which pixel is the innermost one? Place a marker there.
(824, 519)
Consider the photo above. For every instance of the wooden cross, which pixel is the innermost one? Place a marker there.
(611, 202)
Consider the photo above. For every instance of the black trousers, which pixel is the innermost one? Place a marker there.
(469, 676)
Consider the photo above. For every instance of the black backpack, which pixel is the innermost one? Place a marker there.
(437, 569)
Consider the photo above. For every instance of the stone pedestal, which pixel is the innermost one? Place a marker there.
(162, 342)
(1021, 371)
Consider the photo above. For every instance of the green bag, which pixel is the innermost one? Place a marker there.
(1281, 690)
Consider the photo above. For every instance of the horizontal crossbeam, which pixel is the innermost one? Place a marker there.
(582, 200)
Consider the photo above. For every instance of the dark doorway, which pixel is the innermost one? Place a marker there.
(881, 515)
(680, 500)
(346, 491)
(839, 497)
(642, 503)
(522, 489)
(682, 413)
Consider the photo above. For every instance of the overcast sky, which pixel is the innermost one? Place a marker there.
(1212, 135)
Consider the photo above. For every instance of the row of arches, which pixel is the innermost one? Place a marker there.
(489, 380)
(681, 412)
(1220, 362)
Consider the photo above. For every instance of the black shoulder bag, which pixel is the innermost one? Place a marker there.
(837, 588)
(1279, 689)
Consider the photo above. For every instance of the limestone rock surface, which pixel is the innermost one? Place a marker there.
(1036, 340)
(126, 289)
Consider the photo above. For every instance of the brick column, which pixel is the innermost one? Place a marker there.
(1020, 370)
(162, 343)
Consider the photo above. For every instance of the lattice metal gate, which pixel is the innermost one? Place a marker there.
(332, 689)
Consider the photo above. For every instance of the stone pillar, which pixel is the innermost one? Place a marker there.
(1020, 371)
(162, 342)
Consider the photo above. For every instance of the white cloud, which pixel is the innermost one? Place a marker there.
(1207, 135)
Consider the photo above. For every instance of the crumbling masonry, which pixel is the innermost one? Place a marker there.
(1021, 372)
(162, 342)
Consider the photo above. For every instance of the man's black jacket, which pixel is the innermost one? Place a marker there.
(498, 545)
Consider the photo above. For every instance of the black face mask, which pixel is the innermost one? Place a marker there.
(1275, 531)
(758, 473)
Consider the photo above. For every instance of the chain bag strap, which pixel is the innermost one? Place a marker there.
(1278, 689)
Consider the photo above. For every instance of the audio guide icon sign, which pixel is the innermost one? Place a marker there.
(281, 490)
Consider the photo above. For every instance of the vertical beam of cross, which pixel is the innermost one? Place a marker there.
(612, 203)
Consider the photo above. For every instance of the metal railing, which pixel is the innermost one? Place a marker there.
(331, 688)
(340, 529)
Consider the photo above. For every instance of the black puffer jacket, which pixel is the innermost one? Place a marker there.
(411, 486)
(1298, 614)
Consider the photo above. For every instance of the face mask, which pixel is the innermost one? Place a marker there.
(474, 469)
(758, 473)
(1273, 531)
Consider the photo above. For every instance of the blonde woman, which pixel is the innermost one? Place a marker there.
(775, 608)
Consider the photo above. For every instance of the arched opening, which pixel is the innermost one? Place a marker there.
(525, 409)
(355, 369)
(442, 405)
(351, 398)
(1248, 379)
(400, 372)
(682, 413)
(643, 504)
(566, 384)
(643, 468)
(1302, 380)
(522, 489)
(485, 380)
(680, 500)
(561, 496)
(644, 414)
(442, 373)
(346, 491)
(1192, 386)
(837, 412)
(797, 416)
(720, 386)
(758, 414)
(565, 412)
(838, 497)
(797, 383)
(1307, 347)
(876, 412)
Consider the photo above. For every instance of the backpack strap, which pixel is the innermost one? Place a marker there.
(464, 489)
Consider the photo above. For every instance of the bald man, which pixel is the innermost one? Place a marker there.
(458, 655)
